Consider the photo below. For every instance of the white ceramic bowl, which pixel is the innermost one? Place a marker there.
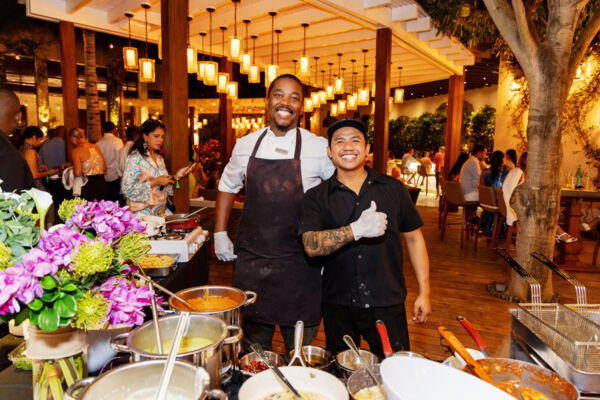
(408, 378)
(457, 362)
(302, 378)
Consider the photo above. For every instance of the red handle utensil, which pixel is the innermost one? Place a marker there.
(475, 335)
(385, 340)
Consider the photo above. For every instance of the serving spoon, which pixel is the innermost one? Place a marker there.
(352, 345)
(257, 348)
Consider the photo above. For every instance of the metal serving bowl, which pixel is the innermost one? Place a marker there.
(277, 359)
(316, 357)
(361, 379)
(347, 361)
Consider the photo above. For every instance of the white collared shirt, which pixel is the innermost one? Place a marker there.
(109, 146)
(470, 177)
(315, 164)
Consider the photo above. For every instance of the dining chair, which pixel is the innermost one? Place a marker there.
(503, 211)
(487, 201)
(454, 196)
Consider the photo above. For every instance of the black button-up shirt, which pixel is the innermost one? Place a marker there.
(368, 272)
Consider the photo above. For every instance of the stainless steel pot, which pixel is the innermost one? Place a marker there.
(360, 379)
(348, 362)
(141, 381)
(316, 357)
(231, 316)
(142, 340)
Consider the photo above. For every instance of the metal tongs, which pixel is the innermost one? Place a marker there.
(534, 285)
(580, 291)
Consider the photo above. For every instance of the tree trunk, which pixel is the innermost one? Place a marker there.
(91, 86)
(537, 200)
(41, 91)
(114, 94)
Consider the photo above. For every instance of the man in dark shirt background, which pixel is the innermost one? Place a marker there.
(14, 171)
(354, 220)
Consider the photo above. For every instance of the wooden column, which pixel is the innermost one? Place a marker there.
(175, 92)
(68, 70)
(382, 94)
(41, 92)
(456, 95)
(225, 116)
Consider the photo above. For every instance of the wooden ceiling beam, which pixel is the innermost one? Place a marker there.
(405, 13)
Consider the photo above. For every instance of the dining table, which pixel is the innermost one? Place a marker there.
(569, 252)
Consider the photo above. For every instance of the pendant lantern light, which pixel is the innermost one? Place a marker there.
(352, 99)
(373, 89)
(254, 74)
(246, 59)
(342, 106)
(363, 93)
(339, 81)
(201, 63)
(192, 58)
(222, 77)
(147, 73)
(235, 44)
(316, 99)
(329, 89)
(295, 65)
(130, 53)
(232, 90)
(272, 70)
(211, 68)
(304, 67)
(308, 104)
(322, 93)
(399, 92)
(334, 109)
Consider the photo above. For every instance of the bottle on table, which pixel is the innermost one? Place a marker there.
(579, 178)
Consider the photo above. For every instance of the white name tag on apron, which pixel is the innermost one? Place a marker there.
(280, 150)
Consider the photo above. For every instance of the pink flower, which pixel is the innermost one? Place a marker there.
(106, 218)
(126, 301)
(60, 245)
(37, 263)
(17, 284)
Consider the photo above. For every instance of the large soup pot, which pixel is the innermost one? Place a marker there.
(141, 342)
(231, 316)
(140, 381)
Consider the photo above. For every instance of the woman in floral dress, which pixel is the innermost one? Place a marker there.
(146, 183)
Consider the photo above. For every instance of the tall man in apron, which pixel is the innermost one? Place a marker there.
(277, 165)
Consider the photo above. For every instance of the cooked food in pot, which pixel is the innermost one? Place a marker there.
(255, 367)
(212, 303)
(289, 396)
(370, 393)
(156, 261)
(187, 344)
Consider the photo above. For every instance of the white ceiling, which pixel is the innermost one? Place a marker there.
(336, 26)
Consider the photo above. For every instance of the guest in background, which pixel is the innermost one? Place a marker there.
(438, 160)
(454, 174)
(407, 159)
(511, 159)
(132, 133)
(32, 139)
(53, 152)
(146, 182)
(15, 174)
(110, 145)
(495, 174)
(470, 174)
(87, 160)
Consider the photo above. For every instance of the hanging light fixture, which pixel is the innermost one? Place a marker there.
(399, 92)
(334, 109)
(271, 70)
(353, 98)
(322, 93)
(342, 106)
(235, 44)
(254, 74)
(222, 77)
(329, 89)
(304, 69)
(232, 90)
(211, 68)
(246, 59)
(339, 81)
(130, 53)
(363, 92)
(373, 88)
(147, 71)
(295, 65)
(316, 100)
(308, 104)
(201, 63)
(192, 58)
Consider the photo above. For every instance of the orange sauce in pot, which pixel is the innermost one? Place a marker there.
(212, 303)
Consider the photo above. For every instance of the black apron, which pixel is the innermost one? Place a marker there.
(270, 257)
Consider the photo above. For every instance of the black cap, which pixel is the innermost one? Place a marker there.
(344, 123)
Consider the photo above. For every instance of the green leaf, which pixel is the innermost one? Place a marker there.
(90, 235)
(34, 318)
(49, 282)
(50, 297)
(64, 322)
(68, 287)
(48, 319)
(66, 306)
(22, 316)
(36, 304)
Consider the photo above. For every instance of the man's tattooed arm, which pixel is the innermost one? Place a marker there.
(323, 243)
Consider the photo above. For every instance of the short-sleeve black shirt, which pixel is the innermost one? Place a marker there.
(368, 272)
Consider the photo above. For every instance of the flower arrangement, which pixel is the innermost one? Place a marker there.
(77, 274)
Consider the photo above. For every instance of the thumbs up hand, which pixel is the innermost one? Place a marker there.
(371, 223)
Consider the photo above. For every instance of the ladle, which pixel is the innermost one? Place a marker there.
(257, 348)
(170, 364)
(352, 345)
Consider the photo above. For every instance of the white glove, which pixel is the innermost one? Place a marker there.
(223, 247)
(370, 224)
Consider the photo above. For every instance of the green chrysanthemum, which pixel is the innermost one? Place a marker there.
(67, 208)
(5, 256)
(92, 257)
(133, 246)
(92, 308)
(63, 275)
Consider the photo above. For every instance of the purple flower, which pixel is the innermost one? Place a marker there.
(126, 301)
(60, 245)
(106, 218)
(37, 263)
(17, 284)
